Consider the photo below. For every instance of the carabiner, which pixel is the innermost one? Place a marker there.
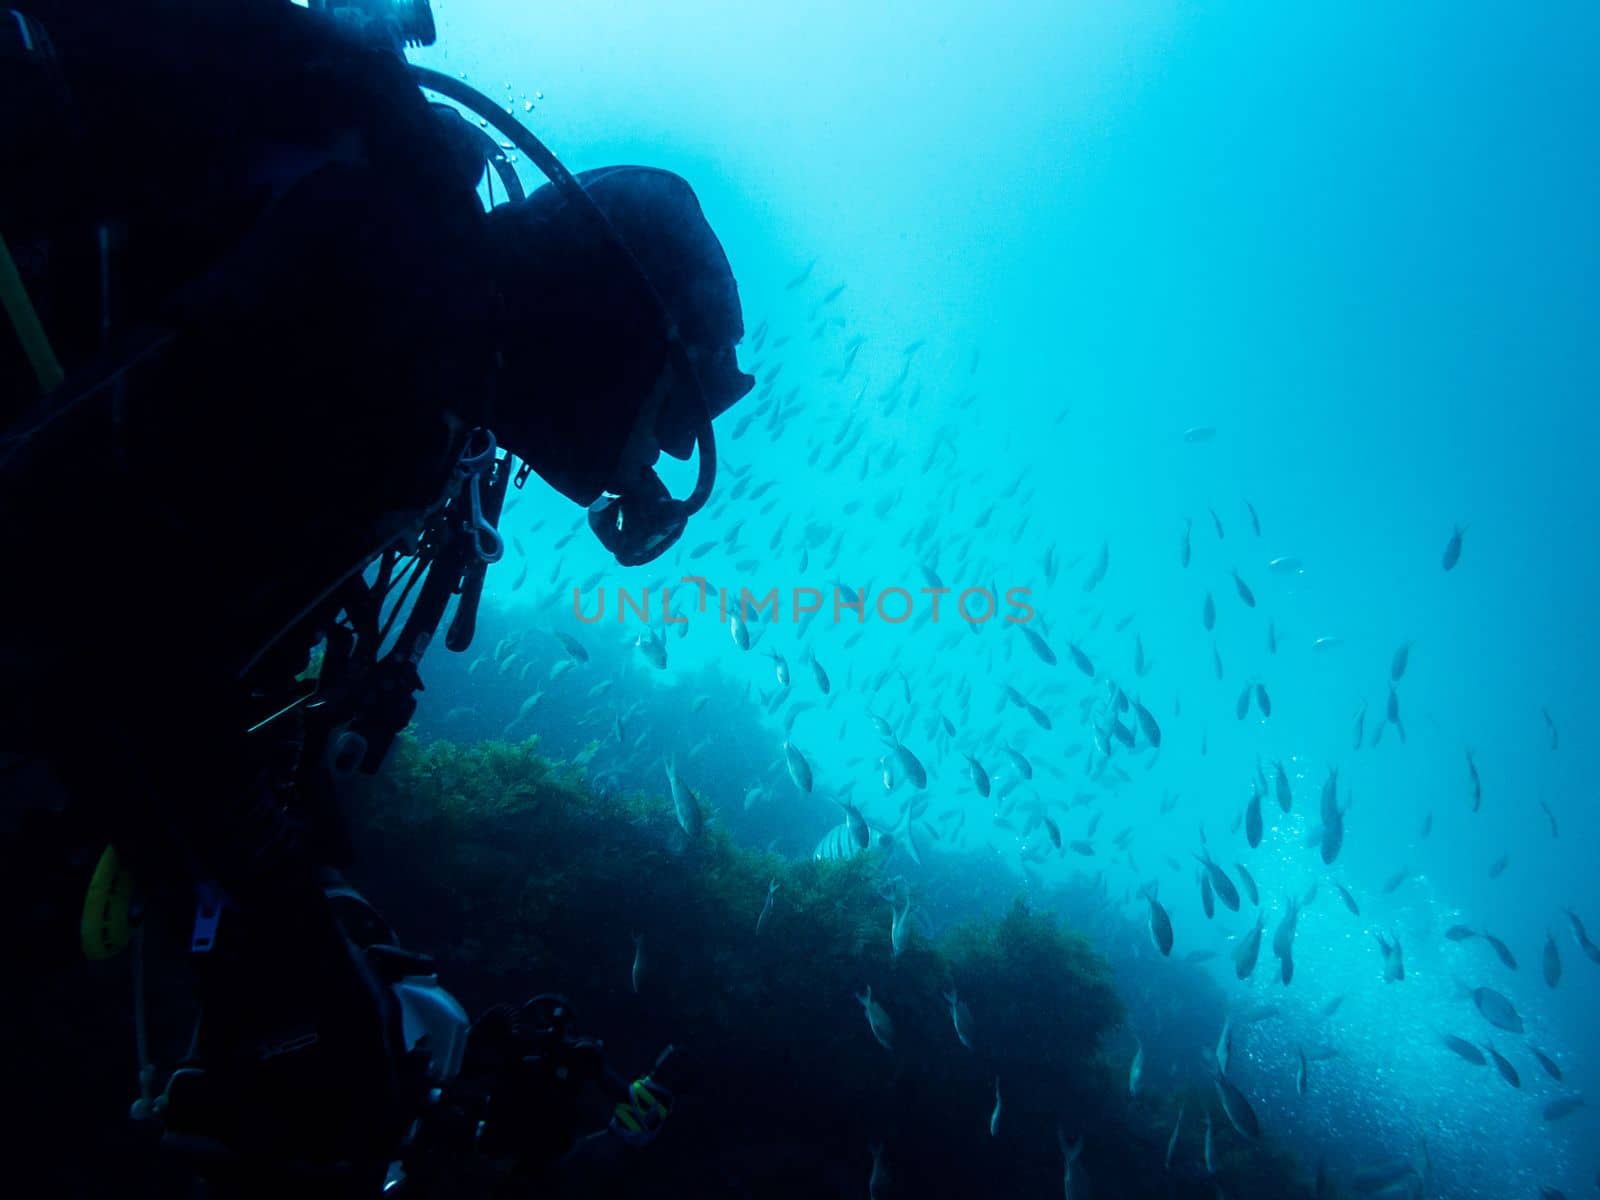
(477, 460)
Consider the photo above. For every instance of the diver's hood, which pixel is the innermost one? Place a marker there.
(583, 337)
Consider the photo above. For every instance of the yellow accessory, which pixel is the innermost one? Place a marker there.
(108, 923)
(19, 307)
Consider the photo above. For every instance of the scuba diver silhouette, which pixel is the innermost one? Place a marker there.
(268, 373)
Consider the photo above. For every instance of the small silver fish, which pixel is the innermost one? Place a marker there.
(960, 1017)
(1452, 549)
(877, 1019)
(1245, 594)
(766, 908)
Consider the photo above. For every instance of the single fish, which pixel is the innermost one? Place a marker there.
(1243, 589)
(1555, 734)
(1465, 1050)
(877, 1019)
(799, 768)
(911, 765)
(1497, 1010)
(1248, 950)
(1397, 664)
(1579, 932)
(1283, 938)
(1263, 701)
(1147, 723)
(1241, 707)
(766, 908)
(1477, 784)
(1160, 924)
(1236, 1107)
(1562, 1106)
(1039, 646)
(1019, 764)
(1332, 838)
(1284, 791)
(1199, 433)
(573, 647)
(1503, 1065)
(1069, 1161)
(1502, 951)
(1248, 882)
(1054, 831)
(1255, 519)
(1172, 1142)
(860, 834)
(1252, 820)
(1208, 613)
(637, 975)
(1286, 565)
(1225, 890)
(685, 804)
(1349, 900)
(879, 1182)
(1183, 544)
(1210, 1155)
(1080, 659)
(820, 676)
(1552, 960)
(979, 777)
(1136, 1070)
(960, 1017)
(1548, 1063)
(1394, 966)
(1207, 896)
(1098, 572)
(653, 649)
(1393, 713)
(899, 929)
(1452, 549)
(1301, 1074)
(994, 1117)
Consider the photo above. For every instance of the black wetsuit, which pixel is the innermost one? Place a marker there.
(296, 269)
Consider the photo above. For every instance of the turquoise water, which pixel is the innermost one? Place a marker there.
(1360, 246)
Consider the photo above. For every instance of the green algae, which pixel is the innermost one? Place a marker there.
(521, 878)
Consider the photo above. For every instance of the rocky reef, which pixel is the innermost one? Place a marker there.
(522, 879)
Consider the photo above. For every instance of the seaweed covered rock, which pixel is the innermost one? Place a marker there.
(521, 879)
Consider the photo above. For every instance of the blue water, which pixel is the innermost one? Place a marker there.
(1358, 243)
